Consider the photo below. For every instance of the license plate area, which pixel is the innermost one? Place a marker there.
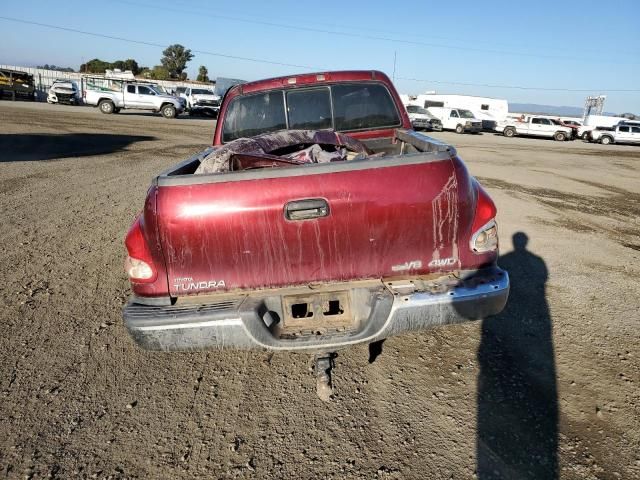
(317, 314)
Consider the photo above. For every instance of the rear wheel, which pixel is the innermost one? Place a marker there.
(168, 111)
(606, 140)
(560, 136)
(106, 106)
(459, 129)
(509, 132)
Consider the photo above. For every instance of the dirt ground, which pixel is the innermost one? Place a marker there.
(547, 389)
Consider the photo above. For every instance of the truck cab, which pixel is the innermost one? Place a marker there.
(458, 119)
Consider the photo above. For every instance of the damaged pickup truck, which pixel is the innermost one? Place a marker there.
(317, 220)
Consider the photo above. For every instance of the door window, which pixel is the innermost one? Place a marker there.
(540, 121)
(454, 114)
(623, 129)
(131, 89)
(142, 90)
(635, 129)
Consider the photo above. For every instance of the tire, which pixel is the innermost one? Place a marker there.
(606, 140)
(106, 106)
(168, 111)
(585, 136)
(509, 132)
(559, 136)
(459, 129)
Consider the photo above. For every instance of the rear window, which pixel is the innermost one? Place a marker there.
(363, 106)
(254, 114)
(309, 109)
(359, 106)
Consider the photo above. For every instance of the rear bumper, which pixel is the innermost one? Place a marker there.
(240, 323)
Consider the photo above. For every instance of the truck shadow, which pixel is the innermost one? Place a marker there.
(18, 147)
(517, 434)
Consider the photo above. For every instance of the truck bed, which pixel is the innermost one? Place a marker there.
(403, 213)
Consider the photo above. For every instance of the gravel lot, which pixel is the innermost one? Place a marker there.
(547, 389)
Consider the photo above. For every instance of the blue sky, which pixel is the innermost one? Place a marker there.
(590, 45)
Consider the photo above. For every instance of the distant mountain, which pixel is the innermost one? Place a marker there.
(548, 109)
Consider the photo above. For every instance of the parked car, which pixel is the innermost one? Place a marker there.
(535, 127)
(572, 124)
(421, 119)
(458, 119)
(63, 91)
(317, 220)
(201, 100)
(17, 85)
(113, 95)
(625, 132)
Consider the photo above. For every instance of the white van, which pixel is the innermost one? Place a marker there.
(458, 119)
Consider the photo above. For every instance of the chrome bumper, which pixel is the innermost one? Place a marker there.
(239, 323)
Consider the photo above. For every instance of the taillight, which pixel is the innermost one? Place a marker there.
(485, 239)
(485, 231)
(139, 264)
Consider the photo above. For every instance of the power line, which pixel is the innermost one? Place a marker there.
(152, 44)
(309, 67)
(518, 87)
(352, 34)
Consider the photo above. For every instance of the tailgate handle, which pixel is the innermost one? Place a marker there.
(306, 209)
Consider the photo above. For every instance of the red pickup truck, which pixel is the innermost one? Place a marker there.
(317, 220)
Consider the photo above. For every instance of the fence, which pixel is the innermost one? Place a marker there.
(44, 78)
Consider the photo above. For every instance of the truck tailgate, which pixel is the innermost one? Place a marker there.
(293, 226)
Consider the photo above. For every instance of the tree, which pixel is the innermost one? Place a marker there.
(203, 74)
(128, 64)
(99, 66)
(158, 73)
(175, 59)
(46, 66)
(95, 66)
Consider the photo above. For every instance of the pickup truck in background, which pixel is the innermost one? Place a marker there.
(111, 96)
(458, 119)
(201, 100)
(317, 220)
(624, 132)
(421, 119)
(535, 127)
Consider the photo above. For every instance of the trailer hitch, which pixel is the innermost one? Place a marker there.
(323, 364)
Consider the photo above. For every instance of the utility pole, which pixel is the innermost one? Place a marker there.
(394, 65)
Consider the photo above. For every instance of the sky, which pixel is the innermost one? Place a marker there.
(551, 48)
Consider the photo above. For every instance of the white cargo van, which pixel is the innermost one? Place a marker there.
(458, 119)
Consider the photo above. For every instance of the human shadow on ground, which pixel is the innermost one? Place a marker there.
(18, 147)
(517, 434)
